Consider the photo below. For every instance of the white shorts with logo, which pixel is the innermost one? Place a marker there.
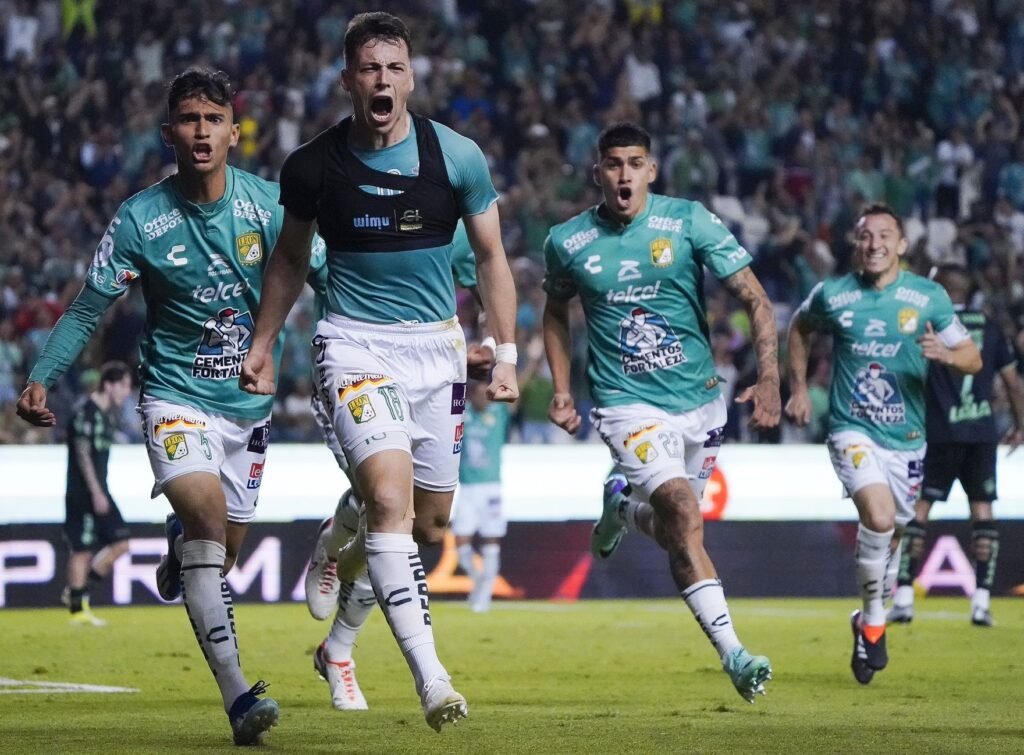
(478, 510)
(400, 386)
(181, 439)
(326, 426)
(859, 461)
(652, 446)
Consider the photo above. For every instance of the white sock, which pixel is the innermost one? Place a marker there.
(981, 599)
(639, 516)
(208, 603)
(400, 584)
(466, 561)
(892, 573)
(355, 602)
(706, 600)
(872, 557)
(485, 581)
(904, 597)
(345, 524)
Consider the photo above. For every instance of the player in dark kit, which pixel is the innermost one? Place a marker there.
(962, 444)
(94, 530)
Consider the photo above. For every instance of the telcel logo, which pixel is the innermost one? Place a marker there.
(221, 292)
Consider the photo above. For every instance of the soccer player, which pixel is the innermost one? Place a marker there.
(353, 600)
(93, 519)
(197, 242)
(478, 509)
(962, 444)
(887, 325)
(385, 188)
(637, 263)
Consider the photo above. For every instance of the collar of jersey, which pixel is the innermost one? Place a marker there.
(898, 279)
(617, 227)
(210, 208)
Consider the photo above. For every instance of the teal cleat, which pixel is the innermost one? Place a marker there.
(748, 672)
(610, 528)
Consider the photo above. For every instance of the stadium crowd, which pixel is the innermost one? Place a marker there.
(784, 118)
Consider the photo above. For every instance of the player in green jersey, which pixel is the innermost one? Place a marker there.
(94, 530)
(886, 325)
(385, 189)
(478, 508)
(197, 242)
(637, 263)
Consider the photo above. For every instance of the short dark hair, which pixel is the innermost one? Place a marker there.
(365, 27)
(957, 281)
(201, 82)
(113, 372)
(880, 208)
(623, 134)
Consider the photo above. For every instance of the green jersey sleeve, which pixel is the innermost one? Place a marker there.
(558, 281)
(468, 171)
(117, 261)
(714, 245)
(813, 308)
(944, 320)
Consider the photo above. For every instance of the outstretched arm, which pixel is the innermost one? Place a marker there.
(282, 282)
(498, 291)
(557, 343)
(764, 394)
(798, 344)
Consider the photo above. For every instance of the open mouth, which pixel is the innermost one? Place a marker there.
(202, 152)
(624, 194)
(381, 107)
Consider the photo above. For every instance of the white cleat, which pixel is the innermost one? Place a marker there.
(442, 704)
(322, 585)
(341, 678)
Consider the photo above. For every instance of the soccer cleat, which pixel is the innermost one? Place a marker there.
(441, 703)
(168, 573)
(900, 614)
(609, 529)
(251, 716)
(322, 585)
(868, 657)
(341, 678)
(748, 672)
(86, 618)
(982, 617)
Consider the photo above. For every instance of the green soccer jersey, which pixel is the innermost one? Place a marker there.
(642, 290)
(878, 369)
(414, 286)
(482, 439)
(463, 259)
(201, 271)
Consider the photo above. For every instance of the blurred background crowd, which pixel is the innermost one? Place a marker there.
(783, 117)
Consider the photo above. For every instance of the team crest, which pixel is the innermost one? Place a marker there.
(175, 446)
(661, 252)
(646, 452)
(908, 319)
(361, 409)
(858, 457)
(250, 248)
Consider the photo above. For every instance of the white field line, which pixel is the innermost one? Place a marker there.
(48, 688)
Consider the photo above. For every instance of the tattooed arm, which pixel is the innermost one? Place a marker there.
(764, 394)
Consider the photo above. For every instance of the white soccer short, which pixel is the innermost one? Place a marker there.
(478, 510)
(181, 439)
(326, 426)
(652, 446)
(859, 461)
(400, 386)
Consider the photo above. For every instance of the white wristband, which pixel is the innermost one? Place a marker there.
(506, 352)
(489, 343)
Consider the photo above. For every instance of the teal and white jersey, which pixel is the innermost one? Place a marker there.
(411, 286)
(642, 289)
(201, 271)
(463, 259)
(878, 370)
(483, 436)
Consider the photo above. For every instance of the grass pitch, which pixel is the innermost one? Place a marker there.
(590, 677)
